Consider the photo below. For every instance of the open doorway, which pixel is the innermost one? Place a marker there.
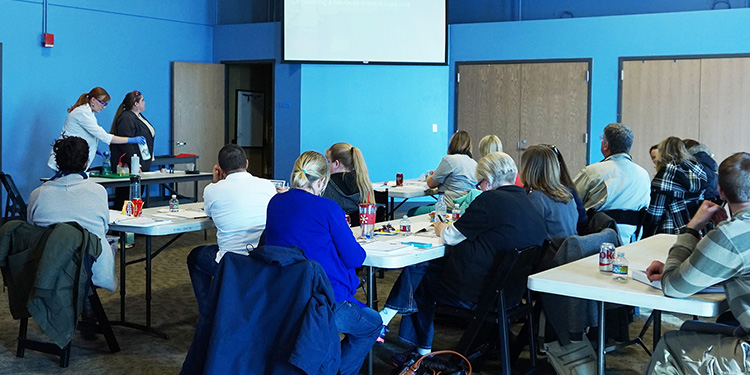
(250, 104)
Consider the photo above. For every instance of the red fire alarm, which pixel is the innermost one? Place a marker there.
(48, 40)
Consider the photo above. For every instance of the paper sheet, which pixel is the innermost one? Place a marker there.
(187, 214)
(640, 275)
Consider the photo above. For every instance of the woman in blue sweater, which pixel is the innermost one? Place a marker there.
(301, 218)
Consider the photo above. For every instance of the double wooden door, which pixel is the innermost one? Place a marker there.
(701, 98)
(526, 104)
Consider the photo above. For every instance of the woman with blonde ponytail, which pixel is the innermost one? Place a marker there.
(82, 123)
(350, 182)
(301, 218)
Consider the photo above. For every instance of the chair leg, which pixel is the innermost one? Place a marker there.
(103, 323)
(504, 334)
(65, 356)
(22, 337)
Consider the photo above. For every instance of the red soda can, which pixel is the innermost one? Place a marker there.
(606, 256)
(137, 207)
(348, 219)
(399, 179)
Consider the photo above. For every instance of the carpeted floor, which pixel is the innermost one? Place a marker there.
(174, 311)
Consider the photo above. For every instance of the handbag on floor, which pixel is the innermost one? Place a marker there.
(429, 364)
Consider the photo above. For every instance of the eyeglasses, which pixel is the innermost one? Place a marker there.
(104, 104)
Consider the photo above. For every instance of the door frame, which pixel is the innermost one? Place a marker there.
(588, 60)
(622, 59)
(270, 104)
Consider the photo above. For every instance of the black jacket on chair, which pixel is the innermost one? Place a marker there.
(47, 271)
(273, 314)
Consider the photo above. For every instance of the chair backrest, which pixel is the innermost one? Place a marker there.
(511, 271)
(15, 206)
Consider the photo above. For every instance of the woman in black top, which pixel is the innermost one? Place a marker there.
(130, 122)
(350, 182)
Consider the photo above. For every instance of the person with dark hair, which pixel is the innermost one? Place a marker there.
(454, 175)
(71, 196)
(676, 191)
(696, 262)
(236, 201)
(583, 218)
(654, 152)
(130, 122)
(703, 155)
(82, 123)
(616, 185)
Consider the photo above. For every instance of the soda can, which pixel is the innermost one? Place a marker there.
(399, 179)
(348, 220)
(606, 256)
(137, 207)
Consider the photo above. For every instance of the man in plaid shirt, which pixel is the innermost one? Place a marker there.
(694, 263)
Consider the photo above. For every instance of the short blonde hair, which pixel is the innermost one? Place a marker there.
(498, 168)
(488, 144)
(309, 167)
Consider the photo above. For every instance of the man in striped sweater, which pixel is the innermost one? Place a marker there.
(694, 263)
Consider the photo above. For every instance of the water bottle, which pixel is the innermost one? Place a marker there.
(456, 212)
(135, 188)
(174, 204)
(440, 208)
(405, 225)
(106, 164)
(135, 165)
(145, 154)
(620, 268)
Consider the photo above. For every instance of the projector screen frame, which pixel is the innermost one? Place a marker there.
(352, 62)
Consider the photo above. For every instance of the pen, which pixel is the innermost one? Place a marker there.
(440, 218)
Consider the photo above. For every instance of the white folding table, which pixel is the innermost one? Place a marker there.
(169, 226)
(582, 279)
(412, 188)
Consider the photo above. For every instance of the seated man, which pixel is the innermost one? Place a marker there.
(500, 219)
(70, 196)
(694, 263)
(616, 184)
(236, 202)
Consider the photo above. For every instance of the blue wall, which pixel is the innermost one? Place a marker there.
(387, 111)
(604, 39)
(121, 46)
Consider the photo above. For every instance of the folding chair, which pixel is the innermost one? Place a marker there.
(14, 203)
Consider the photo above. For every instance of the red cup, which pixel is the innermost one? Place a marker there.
(348, 220)
(137, 207)
(399, 179)
(367, 219)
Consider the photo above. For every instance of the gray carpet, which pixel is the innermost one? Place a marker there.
(174, 311)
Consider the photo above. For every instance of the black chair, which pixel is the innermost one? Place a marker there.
(15, 207)
(496, 308)
(103, 327)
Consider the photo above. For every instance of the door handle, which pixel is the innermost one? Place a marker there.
(518, 145)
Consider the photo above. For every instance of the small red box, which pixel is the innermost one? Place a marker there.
(48, 40)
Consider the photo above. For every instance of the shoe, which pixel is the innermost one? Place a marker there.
(381, 337)
(403, 359)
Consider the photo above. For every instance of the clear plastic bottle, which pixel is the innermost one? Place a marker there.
(405, 225)
(620, 268)
(106, 164)
(441, 209)
(135, 165)
(174, 204)
(456, 212)
(145, 153)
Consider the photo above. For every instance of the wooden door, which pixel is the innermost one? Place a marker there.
(488, 103)
(198, 102)
(724, 113)
(660, 98)
(554, 109)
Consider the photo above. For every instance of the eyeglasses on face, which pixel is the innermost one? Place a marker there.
(104, 104)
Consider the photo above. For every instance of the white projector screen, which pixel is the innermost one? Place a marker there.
(365, 31)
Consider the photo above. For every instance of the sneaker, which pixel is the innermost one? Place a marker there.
(403, 359)
(383, 331)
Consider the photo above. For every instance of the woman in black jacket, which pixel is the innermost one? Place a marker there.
(130, 120)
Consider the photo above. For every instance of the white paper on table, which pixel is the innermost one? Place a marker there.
(381, 247)
(640, 275)
(187, 214)
(141, 221)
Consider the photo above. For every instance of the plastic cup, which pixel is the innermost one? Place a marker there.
(367, 219)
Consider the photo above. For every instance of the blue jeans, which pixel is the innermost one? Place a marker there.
(417, 329)
(202, 267)
(401, 297)
(361, 327)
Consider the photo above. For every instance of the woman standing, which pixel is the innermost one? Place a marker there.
(301, 218)
(678, 186)
(540, 173)
(350, 182)
(130, 122)
(82, 123)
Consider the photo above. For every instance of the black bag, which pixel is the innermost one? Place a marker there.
(428, 364)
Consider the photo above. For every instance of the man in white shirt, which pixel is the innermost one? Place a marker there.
(236, 201)
(615, 184)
